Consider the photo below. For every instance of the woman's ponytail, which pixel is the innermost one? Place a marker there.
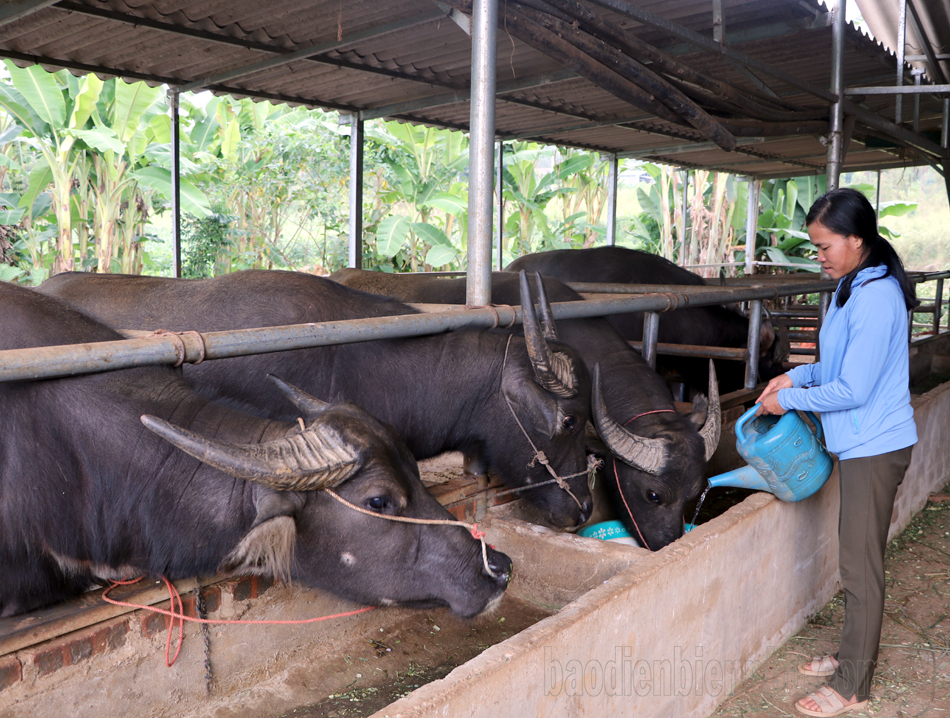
(847, 212)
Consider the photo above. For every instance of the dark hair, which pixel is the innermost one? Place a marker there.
(846, 212)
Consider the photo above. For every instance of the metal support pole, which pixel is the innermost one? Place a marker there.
(719, 22)
(683, 248)
(938, 305)
(901, 41)
(612, 172)
(836, 141)
(751, 225)
(917, 73)
(945, 123)
(500, 185)
(651, 330)
(356, 193)
(755, 333)
(481, 157)
(877, 200)
(176, 184)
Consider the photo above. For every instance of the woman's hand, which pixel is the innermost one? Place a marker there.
(768, 400)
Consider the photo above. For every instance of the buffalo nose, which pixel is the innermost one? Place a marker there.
(585, 512)
(500, 566)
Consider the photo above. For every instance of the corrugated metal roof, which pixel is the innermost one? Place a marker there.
(409, 60)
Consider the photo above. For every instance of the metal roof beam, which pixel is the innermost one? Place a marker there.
(899, 90)
(283, 56)
(935, 72)
(15, 9)
(306, 53)
(762, 32)
(683, 149)
(449, 98)
(867, 117)
(170, 81)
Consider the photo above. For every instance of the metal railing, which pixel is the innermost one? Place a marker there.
(159, 349)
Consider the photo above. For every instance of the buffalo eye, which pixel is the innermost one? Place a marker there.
(569, 423)
(378, 503)
(653, 497)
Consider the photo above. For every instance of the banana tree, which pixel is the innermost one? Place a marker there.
(51, 108)
(423, 166)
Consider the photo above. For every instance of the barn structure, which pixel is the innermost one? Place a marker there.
(759, 88)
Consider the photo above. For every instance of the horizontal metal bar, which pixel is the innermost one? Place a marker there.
(899, 90)
(68, 360)
(795, 313)
(724, 292)
(804, 335)
(694, 350)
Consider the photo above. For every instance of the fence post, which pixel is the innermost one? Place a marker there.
(755, 334)
(651, 330)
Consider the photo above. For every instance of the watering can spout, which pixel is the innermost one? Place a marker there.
(744, 478)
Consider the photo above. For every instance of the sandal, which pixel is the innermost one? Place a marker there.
(829, 702)
(819, 666)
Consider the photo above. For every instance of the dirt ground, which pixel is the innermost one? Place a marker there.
(913, 675)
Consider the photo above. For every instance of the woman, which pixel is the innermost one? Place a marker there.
(861, 389)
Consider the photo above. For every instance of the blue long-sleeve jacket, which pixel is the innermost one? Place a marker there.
(861, 385)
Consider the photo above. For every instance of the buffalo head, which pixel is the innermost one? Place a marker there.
(545, 405)
(300, 532)
(654, 451)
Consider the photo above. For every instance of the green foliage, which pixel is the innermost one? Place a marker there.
(204, 240)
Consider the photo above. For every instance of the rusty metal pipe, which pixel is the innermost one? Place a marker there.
(696, 350)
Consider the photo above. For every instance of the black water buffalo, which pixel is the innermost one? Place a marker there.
(662, 454)
(706, 326)
(88, 493)
(473, 391)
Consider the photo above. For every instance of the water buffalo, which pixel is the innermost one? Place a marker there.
(706, 326)
(485, 393)
(658, 456)
(88, 493)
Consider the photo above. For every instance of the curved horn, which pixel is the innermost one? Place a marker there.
(305, 461)
(712, 428)
(646, 454)
(311, 406)
(547, 318)
(554, 370)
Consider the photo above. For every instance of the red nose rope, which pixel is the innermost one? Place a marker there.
(177, 609)
(177, 613)
(617, 476)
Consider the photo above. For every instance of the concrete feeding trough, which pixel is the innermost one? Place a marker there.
(593, 627)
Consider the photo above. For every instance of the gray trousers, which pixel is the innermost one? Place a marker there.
(868, 487)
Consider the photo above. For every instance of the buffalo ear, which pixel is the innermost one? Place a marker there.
(268, 548)
(533, 406)
(697, 417)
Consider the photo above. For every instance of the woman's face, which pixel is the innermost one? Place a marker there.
(837, 253)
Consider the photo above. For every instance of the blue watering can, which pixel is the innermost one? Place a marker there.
(784, 455)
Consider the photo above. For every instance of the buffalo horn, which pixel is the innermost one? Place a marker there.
(554, 370)
(712, 428)
(547, 317)
(643, 453)
(305, 461)
(309, 405)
